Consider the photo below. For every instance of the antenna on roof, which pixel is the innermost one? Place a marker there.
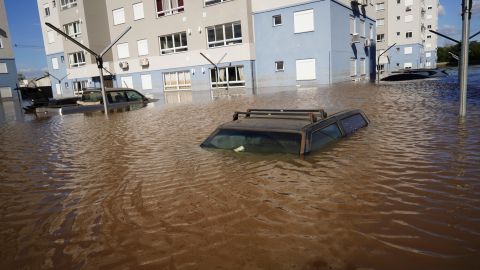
(98, 57)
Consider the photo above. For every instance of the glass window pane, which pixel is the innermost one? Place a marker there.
(176, 38)
(228, 31)
(238, 30)
(211, 34)
(219, 33)
(352, 123)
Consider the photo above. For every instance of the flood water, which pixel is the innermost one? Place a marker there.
(135, 191)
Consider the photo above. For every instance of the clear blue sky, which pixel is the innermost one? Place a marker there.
(26, 32)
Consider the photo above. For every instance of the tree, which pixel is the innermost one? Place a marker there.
(473, 58)
(20, 77)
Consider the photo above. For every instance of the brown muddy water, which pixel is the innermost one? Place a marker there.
(135, 191)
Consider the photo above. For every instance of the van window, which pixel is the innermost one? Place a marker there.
(134, 96)
(116, 97)
(323, 136)
(352, 123)
(254, 141)
(92, 96)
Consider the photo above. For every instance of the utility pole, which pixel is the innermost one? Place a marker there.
(378, 60)
(466, 15)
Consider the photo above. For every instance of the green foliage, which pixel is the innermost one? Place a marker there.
(473, 59)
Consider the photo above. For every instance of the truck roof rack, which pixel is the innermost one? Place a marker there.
(313, 115)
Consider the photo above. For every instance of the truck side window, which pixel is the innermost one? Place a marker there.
(324, 136)
(352, 123)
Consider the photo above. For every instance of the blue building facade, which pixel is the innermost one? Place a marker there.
(317, 42)
(8, 79)
(411, 56)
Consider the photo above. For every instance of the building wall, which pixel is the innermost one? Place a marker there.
(8, 81)
(329, 44)
(422, 41)
(193, 20)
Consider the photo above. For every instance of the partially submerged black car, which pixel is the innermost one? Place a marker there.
(284, 131)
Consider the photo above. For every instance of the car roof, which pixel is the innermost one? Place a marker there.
(286, 123)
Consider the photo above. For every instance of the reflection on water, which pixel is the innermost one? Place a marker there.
(178, 97)
(136, 190)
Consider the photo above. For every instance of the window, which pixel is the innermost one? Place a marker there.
(224, 34)
(73, 29)
(398, 18)
(6, 92)
(429, 26)
(323, 136)
(429, 36)
(362, 28)
(142, 47)
(123, 51)
(180, 80)
(173, 43)
(146, 82)
(407, 65)
(407, 50)
(169, 7)
(68, 4)
(428, 54)
(398, 33)
(58, 87)
(363, 66)
(51, 37)
(133, 95)
(381, 68)
(116, 96)
(54, 4)
(76, 59)
(353, 67)
(408, 34)
(279, 66)
(212, 2)
(380, 37)
(62, 59)
(127, 82)
(227, 77)
(429, 7)
(138, 12)
(277, 20)
(306, 69)
(3, 68)
(303, 21)
(353, 123)
(118, 16)
(380, 6)
(428, 45)
(55, 63)
(371, 31)
(1, 43)
(380, 22)
(428, 64)
(409, 18)
(46, 8)
(429, 16)
(398, 1)
(353, 25)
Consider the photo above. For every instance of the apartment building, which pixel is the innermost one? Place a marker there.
(301, 42)
(405, 23)
(8, 69)
(70, 67)
(183, 45)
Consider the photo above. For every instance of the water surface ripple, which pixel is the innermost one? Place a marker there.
(137, 192)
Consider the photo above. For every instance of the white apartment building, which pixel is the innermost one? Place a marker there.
(406, 23)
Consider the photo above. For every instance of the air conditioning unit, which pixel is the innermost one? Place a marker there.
(368, 42)
(355, 38)
(144, 62)
(123, 64)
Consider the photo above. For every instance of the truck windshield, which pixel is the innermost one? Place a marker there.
(255, 141)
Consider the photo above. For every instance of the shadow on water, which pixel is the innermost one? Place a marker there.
(137, 191)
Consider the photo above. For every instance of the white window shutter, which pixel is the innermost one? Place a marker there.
(138, 12)
(55, 63)
(3, 68)
(123, 51)
(408, 50)
(146, 82)
(119, 16)
(306, 70)
(51, 36)
(142, 47)
(127, 82)
(304, 21)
